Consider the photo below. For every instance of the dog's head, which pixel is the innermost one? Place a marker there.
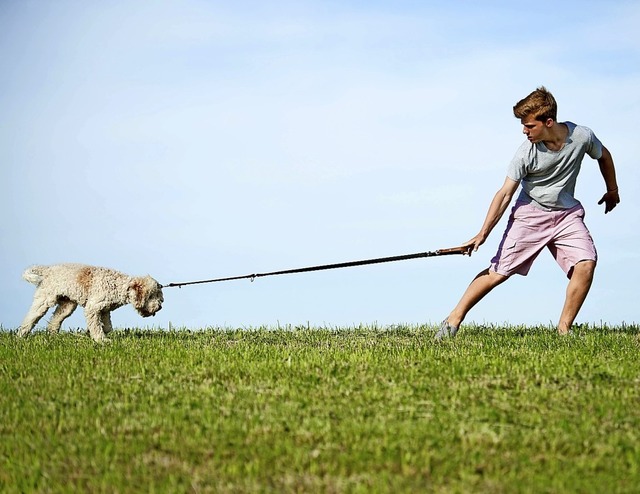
(145, 295)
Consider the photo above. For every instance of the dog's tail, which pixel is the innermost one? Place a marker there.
(34, 274)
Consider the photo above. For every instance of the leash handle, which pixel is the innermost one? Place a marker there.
(464, 250)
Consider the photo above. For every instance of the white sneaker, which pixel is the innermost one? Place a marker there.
(446, 331)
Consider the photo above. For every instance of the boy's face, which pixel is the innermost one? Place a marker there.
(535, 130)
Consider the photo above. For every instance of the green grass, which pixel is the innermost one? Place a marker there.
(508, 410)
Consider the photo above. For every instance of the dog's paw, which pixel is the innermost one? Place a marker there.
(100, 339)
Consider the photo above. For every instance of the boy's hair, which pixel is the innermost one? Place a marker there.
(540, 104)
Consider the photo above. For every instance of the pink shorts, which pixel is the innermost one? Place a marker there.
(531, 229)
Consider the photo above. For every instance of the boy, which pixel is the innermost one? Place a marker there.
(545, 214)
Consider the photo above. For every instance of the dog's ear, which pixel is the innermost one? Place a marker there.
(137, 292)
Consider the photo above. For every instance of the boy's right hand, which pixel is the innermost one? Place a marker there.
(473, 244)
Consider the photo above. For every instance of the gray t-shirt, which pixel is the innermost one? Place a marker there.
(548, 178)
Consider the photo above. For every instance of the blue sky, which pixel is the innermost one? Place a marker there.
(197, 139)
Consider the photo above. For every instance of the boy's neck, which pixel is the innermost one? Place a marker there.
(556, 136)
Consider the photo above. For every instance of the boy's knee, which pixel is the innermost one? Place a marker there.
(495, 278)
(584, 268)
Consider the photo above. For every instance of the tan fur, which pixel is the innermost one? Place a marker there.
(98, 290)
(84, 278)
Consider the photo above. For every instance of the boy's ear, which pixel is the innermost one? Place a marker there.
(549, 122)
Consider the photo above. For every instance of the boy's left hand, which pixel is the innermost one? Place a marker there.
(610, 200)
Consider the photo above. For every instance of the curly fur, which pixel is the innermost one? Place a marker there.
(98, 290)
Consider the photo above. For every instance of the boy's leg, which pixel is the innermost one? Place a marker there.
(577, 291)
(481, 285)
(575, 252)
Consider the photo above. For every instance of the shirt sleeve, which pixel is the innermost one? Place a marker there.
(594, 146)
(520, 163)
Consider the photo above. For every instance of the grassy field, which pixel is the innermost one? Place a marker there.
(366, 409)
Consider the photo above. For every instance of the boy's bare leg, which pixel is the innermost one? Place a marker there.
(481, 285)
(577, 291)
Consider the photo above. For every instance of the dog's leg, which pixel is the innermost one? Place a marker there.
(65, 309)
(94, 324)
(39, 308)
(106, 321)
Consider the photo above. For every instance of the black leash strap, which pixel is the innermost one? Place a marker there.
(440, 252)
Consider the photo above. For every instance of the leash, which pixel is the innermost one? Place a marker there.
(439, 252)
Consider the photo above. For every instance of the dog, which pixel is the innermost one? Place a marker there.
(98, 290)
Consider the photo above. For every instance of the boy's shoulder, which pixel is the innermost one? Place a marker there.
(575, 129)
(583, 137)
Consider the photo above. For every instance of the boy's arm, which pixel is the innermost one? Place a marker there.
(611, 197)
(499, 204)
